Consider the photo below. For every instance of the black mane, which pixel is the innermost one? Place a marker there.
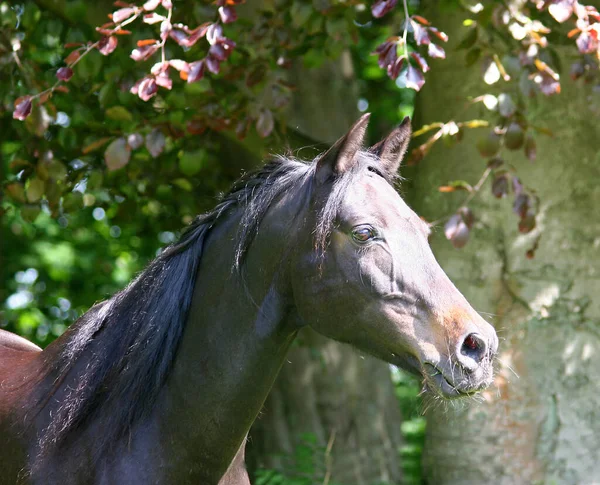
(118, 355)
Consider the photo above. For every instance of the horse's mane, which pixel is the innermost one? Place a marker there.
(117, 356)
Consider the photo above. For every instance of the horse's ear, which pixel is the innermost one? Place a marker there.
(391, 150)
(342, 155)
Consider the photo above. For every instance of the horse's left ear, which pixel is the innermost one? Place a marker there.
(391, 150)
(342, 155)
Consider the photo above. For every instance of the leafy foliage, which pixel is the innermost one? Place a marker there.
(253, 87)
(512, 45)
(307, 465)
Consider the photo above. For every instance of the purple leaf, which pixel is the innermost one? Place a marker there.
(159, 67)
(383, 47)
(153, 18)
(521, 205)
(517, 186)
(64, 73)
(143, 53)
(438, 33)
(265, 123)
(151, 5)
(457, 231)
(196, 35)
(122, 14)
(155, 142)
(586, 43)
(227, 43)
(527, 223)
(436, 51)
(227, 14)
(547, 84)
(382, 7)
(213, 65)
(530, 148)
(387, 54)
(135, 88)
(22, 108)
(467, 216)
(163, 79)
(500, 186)
(180, 37)
(577, 70)
(420, 33)
(414, 78)
(214, 33)
(179, 65)
(218, 52)
(420, 61)
(147, 88)
(117, 154)
(135, 140)
(394, 70)
(196, 71)
(165, 29)
(107, 44)
(561, 10)
(241, 129)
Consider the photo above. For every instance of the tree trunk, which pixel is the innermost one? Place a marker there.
(332, 414)
(543, 426)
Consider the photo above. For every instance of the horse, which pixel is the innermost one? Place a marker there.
(160, 383)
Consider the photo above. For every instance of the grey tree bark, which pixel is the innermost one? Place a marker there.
(329, 402)
(543, 426)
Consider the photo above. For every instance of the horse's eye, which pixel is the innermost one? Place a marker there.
(363, 234)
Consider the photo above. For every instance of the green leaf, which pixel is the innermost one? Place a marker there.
(475, 124)
(57, 170)
(183, 184)
(469, 39)
(472, 56)
(514, 137)
(506, 106)
(191, 163)
(16, 192)
(30, 212)
(118, 113)
(489, 145)
(35, 189)
(72, 201)
(461, 184)
(300, 13)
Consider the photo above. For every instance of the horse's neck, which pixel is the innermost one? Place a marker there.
(234, 344)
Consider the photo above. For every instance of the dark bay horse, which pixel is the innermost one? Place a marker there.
(160, 383)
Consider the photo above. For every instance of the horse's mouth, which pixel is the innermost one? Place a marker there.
(437, 382)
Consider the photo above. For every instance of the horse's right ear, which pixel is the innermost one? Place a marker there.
(342, 155)
(391, 150)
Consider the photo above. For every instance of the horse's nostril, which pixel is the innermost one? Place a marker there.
(474, 347)
(471, 342)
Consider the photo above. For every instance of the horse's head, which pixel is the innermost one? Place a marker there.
(374, 282)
